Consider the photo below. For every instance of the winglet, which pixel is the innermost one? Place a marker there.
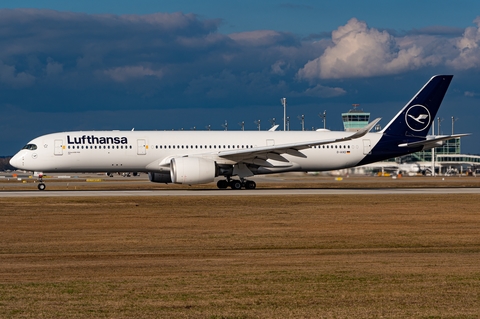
(273, 128)
(362, 131)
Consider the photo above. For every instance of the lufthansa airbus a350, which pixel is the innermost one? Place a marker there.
(197, 157)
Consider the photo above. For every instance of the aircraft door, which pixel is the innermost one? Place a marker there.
(367, 147)
(58, 147)
(141, 147)
(270, 142)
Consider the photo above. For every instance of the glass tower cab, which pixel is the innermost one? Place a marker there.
(355, 119)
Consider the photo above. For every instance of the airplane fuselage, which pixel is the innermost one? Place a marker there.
(143, 151)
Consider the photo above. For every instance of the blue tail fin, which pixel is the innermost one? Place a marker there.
(415, 119)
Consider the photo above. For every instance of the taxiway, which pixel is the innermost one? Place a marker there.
(257, 192)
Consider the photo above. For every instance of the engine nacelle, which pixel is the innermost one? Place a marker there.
(192, 170)
(160, 177)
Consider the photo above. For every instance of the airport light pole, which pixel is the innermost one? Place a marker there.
(302, 120)
(323, 116)
(439, 120)
(284, 103)
(272, 121)
(258, 124)
(433, 151)
(453, 121)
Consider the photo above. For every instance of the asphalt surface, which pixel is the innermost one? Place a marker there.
(228, 192)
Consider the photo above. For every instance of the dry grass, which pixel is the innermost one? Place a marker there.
(230, 257)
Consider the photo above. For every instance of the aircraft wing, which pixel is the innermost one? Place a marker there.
(293, 149)
(431, 142)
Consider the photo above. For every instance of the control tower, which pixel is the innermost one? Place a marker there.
(355, 119)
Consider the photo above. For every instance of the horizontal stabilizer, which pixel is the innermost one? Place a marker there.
(431, 142)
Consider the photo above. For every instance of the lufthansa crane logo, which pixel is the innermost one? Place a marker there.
(417, 117)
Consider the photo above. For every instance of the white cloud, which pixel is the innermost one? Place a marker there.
(262, 38)
(470, 94)
(324, 91)
(468, 49)
(123, 74)
(10, 76)
(278, 67)
(53, 68)
(360, 51)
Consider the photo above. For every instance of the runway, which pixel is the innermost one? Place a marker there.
(256, 192)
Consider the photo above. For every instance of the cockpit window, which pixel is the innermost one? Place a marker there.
(31, 147)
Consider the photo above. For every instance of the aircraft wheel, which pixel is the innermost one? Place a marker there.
(41, 186)
(236, 185)
(222, 184)
(250, 185)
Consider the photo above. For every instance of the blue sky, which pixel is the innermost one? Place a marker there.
(163, 65)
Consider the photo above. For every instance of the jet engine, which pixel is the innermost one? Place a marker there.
(192, 170)
(160, 177)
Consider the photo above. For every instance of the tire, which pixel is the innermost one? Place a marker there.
(250, 185)
(222, 184)
(236, 185)
(41, 187)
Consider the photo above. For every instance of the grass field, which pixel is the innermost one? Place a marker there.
(237, 257)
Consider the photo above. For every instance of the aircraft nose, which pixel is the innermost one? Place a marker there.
(17, 160)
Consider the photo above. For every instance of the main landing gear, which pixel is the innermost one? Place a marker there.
(236, 184)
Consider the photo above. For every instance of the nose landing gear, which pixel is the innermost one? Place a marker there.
(41, 185)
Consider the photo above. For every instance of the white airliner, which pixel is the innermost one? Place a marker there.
(197, 157)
